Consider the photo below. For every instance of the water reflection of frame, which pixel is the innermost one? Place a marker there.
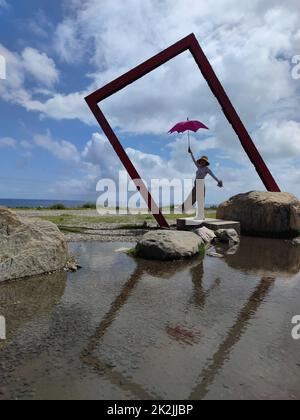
(207, 376)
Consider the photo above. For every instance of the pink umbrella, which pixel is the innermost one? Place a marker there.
(188, 126)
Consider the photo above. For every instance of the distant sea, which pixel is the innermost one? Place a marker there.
(17, 203)
(14, 203)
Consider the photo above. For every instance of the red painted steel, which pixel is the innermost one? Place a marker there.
(232, 116)
(189, 43)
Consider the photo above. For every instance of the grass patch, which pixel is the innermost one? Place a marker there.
(133, 252)
(202, 251)
(128, 221)
(71, 229)
(58, 220)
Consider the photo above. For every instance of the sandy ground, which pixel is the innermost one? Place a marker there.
(38, 213)
(106, 235)
(102, 232)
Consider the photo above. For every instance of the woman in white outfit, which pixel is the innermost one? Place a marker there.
(198, 192)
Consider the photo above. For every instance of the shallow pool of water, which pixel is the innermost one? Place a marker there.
(122, 328)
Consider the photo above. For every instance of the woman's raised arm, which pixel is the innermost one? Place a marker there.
(193, 157)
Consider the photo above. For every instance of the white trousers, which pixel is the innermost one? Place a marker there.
(200, 199)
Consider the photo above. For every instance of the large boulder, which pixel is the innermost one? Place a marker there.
(29, 247)
(263, 213)
(168, 245)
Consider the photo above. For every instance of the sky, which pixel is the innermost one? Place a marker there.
(58, 52)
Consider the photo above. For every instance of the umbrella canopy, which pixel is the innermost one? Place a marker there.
(188, 126)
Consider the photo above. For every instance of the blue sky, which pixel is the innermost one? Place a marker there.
(57, 52)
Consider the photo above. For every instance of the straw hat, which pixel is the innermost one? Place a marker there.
(205, 159)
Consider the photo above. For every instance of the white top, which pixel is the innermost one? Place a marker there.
(203, 171)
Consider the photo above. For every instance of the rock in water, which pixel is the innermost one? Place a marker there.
(29, 247)
(227, 236)
(168, 245)
(263, 213)
(207, 235)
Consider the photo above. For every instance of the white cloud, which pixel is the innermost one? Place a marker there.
(40, 66)
(13, 143)
(66, 42)
(279, 139)
(63, 107)
(178, 147)
(19, 68)
(99, 155)
(62, 149)
(7, 142)
(26, 144)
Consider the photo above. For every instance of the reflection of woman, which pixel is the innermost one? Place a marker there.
(198, 193)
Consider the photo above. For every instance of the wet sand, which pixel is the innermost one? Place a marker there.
(123, 328)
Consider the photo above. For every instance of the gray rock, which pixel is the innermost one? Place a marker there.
(227, 236)
(29, 247)
(263, 213)
(207, 235)
(233, 249)
(168, 245)
(296, 241)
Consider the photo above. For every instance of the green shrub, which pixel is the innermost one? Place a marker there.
(87, 206)
(58, 206)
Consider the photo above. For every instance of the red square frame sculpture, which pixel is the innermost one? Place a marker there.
(188, 43)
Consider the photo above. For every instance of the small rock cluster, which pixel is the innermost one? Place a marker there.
(206, 235)
(72, 265)
(227, 236)
(170, 245)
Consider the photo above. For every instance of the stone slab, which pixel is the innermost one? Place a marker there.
(213, 224)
